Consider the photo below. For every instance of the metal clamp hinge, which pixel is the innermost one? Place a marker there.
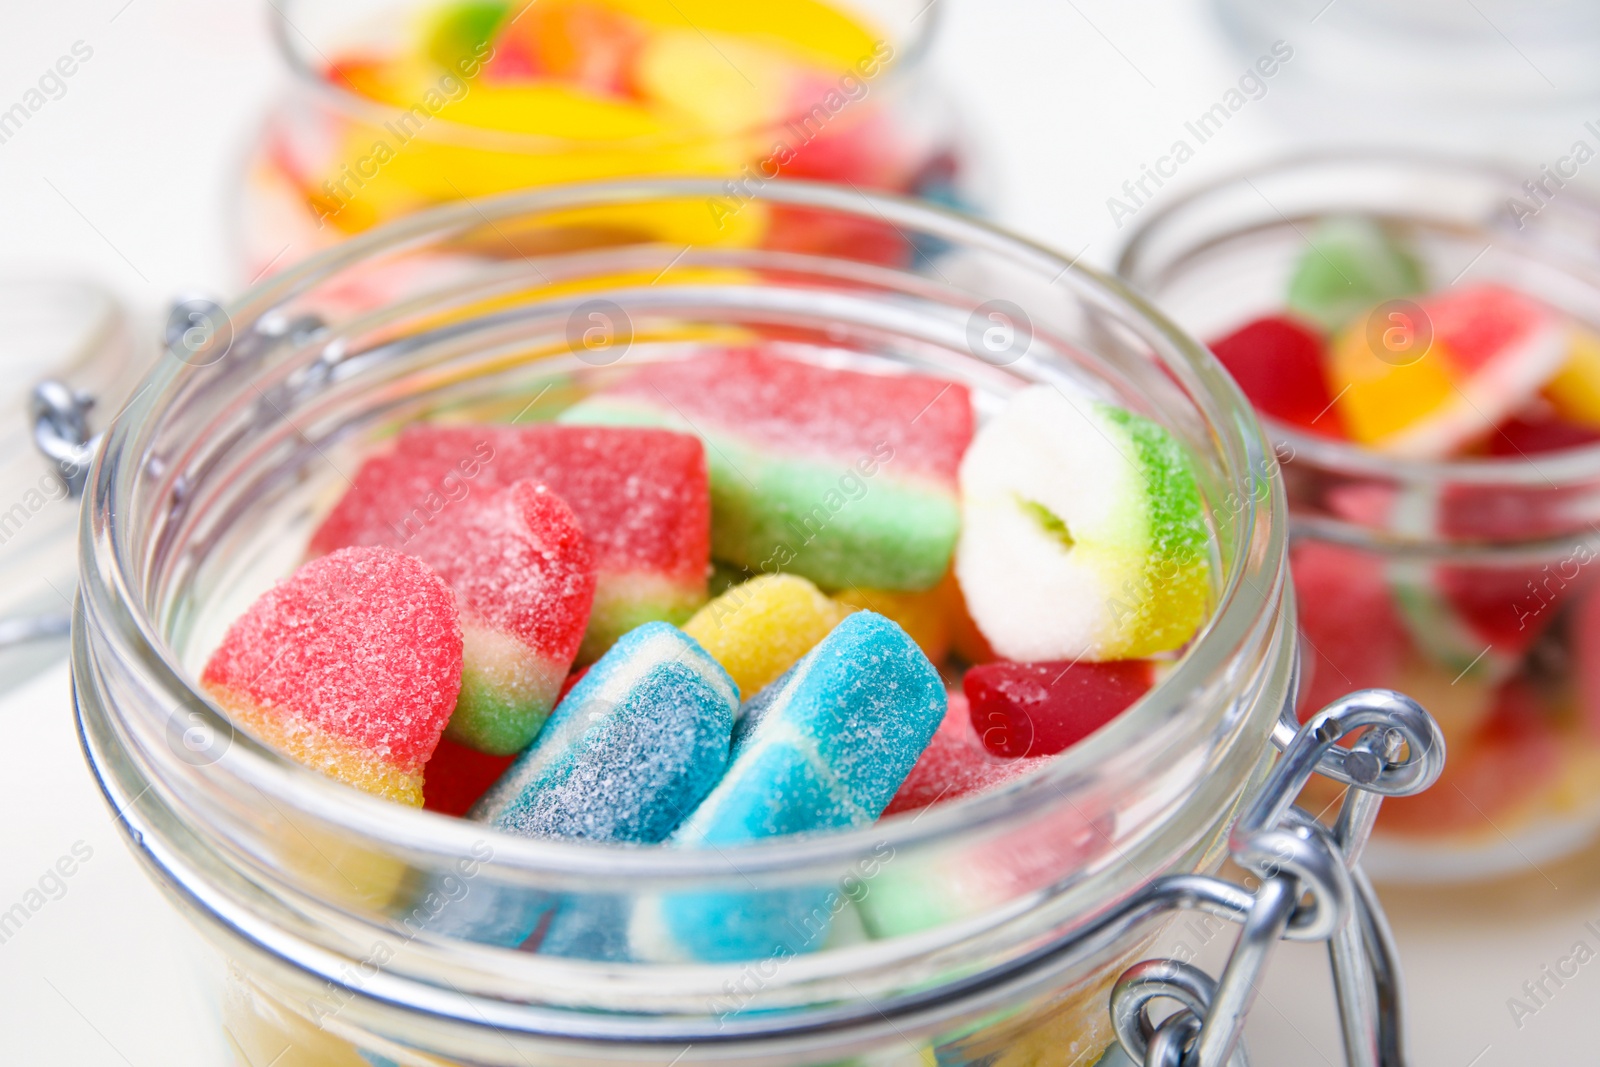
(1310, 888)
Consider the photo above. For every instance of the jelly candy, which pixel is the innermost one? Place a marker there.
(758, 630)
(524, 578)
(588, 45)
(1521, 436)
(457, 776)
(1574, 392)
(640, 494)
(843, 477)
(925, 616)
(1352, 264)
(955, 764)
(1476, 621)
(1278, 364)
(1351, 634)
(1041, 709)
(633, 748)
(1447, 372)
(925, 891)
(1511, 759)
(350, 666)
(1084, 534)
(824, 747)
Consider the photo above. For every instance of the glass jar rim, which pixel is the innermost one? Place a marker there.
(1507, 472)
(285, 35)
(1257, 538)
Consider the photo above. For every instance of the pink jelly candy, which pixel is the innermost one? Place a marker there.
(955, 764)
(350, 666)
(1040, 709)
(641, 496)
(524, 578)
(1352, 636)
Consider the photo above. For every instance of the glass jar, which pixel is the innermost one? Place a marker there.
(331, 161)
(1462, 582)
(971, 932)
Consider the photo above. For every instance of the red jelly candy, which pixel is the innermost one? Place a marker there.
(955, 764)
(350, 666)
(1040, 709)
(524, 579)
(1278, 363)
(457, 776)
(1529, 436)
(641, 495)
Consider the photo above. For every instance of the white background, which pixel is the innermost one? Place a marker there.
(127, 179)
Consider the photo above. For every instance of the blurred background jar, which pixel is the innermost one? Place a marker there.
(1511, 79)
(397, 106)
(1466, 582)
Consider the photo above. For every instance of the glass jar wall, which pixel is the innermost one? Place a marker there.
(398, 106)
(965, 933)
(1464, 582)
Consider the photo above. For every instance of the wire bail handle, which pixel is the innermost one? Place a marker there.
(1311, 889)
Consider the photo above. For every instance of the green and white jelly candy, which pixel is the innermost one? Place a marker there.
(1352, 265)
(1083, 534)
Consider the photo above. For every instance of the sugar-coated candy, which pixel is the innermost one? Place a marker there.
(633, 748)
(1444, 374)
(840, 476)
(1277, 361)
(956, 764)
(524, 578)
(641, 496)
(925, 616)
(1041, 709)
(924, 891)
(823, 748)
(350, 666)
(757, 630)
(1352, 264)
(1084, 535)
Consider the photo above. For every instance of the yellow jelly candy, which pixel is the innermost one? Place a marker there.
(1575, 390)
(722, 84)
(760, 629)
(1423, 379)
(1380, 396)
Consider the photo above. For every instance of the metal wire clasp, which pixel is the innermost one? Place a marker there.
(1311, 889)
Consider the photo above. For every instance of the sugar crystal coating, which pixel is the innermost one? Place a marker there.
(956, 764)
(824, 747)
(840, 476)
(524, 579)
(630, 751)
(758, 630)
(1084, 534)
(351, 665)
(641, 496)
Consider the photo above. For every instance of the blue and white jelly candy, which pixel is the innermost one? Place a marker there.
(631, 750)
(824, 747)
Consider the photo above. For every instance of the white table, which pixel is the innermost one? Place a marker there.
(125, 178)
